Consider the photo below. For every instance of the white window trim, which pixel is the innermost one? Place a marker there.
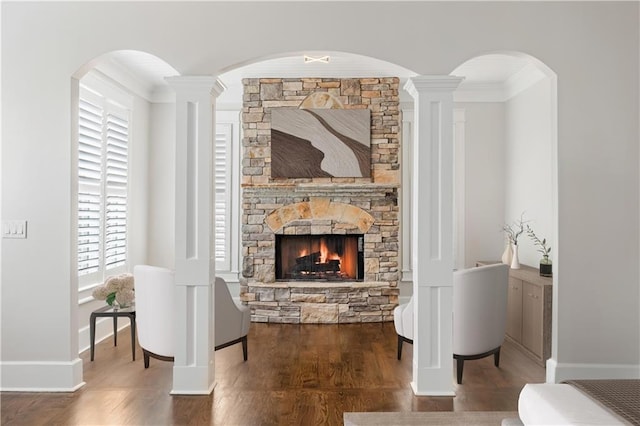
(405, 193)
(230, 270)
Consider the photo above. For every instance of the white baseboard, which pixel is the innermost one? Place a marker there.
(558, 372)
(192, 380)
(41, 376)
(443, 392)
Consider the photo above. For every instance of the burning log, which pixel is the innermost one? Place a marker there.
(310, 264)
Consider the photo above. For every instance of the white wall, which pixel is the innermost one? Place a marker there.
(162, 165)
(484, 180)
(139, 183)
(43, 44)
(528, 169)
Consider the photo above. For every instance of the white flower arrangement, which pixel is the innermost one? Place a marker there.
(118, 288)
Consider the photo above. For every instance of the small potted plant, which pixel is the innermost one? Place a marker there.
(546, 268)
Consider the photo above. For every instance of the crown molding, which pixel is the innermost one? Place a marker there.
(499, 91)
(431, 83)
(480, 92)
(125, 78)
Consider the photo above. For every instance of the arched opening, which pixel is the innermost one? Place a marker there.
(506, 164)
(292, 65)
(114, 97)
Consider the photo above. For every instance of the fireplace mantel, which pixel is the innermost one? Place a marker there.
(311, 189)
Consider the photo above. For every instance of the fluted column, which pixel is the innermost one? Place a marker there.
(194, 369)
(432, 221)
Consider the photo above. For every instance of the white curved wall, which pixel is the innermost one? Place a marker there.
(528, 166)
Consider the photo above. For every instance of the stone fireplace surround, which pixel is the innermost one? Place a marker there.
(318, 206)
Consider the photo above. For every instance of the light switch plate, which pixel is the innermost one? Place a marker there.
(14, 229)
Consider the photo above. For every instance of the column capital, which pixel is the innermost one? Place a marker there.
(196, 84)
(432, 83)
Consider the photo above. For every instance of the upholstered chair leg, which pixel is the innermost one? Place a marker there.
(459, 368)
(496, 358)
(399, 347)
(244, 347)
(146, 359)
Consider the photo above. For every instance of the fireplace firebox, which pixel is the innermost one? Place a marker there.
(327, 257)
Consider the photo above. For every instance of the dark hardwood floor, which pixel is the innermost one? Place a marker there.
(295, 375)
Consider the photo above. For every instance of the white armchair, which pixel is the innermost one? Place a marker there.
(232, 319)
(479, 315)
(154, 311)
(155, 314)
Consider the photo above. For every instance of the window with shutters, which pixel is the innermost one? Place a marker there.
(102, 185)
(227, 194)
(222, 195)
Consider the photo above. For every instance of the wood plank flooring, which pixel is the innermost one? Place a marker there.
(295, 375)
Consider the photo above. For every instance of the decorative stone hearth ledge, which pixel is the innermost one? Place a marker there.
(322, 284)
(321, 302)
(320, 209)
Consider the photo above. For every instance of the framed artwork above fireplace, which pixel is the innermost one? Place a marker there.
(308, 143)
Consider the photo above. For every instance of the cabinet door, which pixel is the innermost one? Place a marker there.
(532, 318)
(514, 309)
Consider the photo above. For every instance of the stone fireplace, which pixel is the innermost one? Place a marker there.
(340, 234)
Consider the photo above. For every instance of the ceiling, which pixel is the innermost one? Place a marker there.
(482, 74)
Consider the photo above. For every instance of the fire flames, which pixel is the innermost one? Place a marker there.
(318, 257)
(325, 254)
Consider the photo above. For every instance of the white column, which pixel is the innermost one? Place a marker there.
(433, 233)
(194, 369)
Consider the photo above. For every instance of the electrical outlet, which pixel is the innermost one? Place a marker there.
(14, 229)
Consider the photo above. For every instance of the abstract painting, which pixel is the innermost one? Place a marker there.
(308, 143)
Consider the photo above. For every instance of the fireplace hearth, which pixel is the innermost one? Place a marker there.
(319, 257)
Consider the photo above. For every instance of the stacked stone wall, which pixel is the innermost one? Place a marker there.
(379, 95)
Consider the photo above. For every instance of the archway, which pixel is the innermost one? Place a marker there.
(339, 64)
(512, 161)
(110, 93)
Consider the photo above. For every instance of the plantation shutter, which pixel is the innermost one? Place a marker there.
(117, 138)
(89, 187)
(222, 200)
(103, 140)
